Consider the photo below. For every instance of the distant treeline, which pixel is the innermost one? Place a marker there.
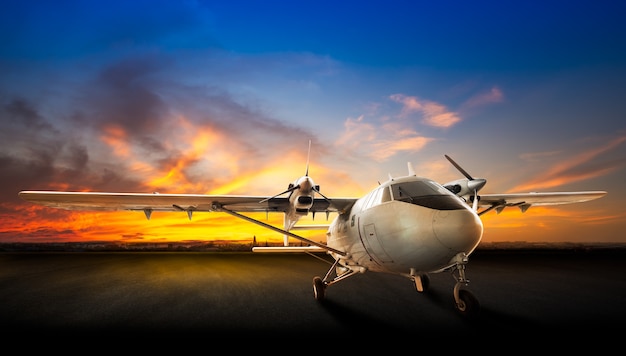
(138, 246)
(239, 246)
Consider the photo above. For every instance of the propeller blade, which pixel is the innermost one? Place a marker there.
(320, 193)
(279, 194)
(467, 175)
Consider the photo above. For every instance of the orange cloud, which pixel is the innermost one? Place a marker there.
(116, 137)
(385, 149)
(191, 150)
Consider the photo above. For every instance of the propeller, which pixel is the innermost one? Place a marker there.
(473, 184)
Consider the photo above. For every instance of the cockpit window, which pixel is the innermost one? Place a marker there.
(426, 193)
(416, 188)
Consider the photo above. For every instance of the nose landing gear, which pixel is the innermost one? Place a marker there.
(465, 302)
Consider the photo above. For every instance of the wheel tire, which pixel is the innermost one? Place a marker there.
(468, 305)
(319, 288)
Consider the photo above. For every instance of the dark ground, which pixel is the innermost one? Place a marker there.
(524, 295)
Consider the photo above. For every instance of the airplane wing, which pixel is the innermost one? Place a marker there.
(148, 202)
(526, 200)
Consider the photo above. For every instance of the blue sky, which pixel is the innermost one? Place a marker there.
(223, 97)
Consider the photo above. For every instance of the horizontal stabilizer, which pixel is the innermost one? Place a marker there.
(289, 249)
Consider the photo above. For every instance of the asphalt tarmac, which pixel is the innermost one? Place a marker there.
(529, 294)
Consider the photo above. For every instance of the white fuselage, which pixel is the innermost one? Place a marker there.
(411, 223)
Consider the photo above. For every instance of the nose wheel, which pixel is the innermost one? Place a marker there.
(465, 302)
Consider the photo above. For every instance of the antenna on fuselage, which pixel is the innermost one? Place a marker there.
(316, 188)
(411, 170)
(308, 156)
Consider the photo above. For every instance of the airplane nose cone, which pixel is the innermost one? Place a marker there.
(306, 184)
(459, 230)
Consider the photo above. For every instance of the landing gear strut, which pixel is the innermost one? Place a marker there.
(340, 273)
(465, 302)
(421, 280)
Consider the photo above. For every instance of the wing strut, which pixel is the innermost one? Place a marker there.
(321, 245)
(494, 206)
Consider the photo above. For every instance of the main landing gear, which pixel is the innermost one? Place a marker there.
(464, 301)
(319, 288)
(341, 273)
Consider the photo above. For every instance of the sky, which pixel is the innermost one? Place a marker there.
(222, 97)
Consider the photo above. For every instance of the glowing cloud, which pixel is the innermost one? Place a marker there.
(433, 114)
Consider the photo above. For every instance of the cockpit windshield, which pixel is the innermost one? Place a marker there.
(426, 193)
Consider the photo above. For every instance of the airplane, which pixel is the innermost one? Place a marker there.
(410, 225)
(301, 197)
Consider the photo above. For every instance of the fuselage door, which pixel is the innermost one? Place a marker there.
(373, 246)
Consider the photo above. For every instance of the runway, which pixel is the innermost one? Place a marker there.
(271, 295)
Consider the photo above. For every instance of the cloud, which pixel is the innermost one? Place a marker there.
(432, 113)
(36, 154)
(494, 95)
(381, 135)
(20, 111)
(125, 93)
(133, 127)
(538, 156)
(380, 141)
(385, 149)
(583, 166)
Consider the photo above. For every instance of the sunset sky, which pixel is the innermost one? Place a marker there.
(222, 97)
